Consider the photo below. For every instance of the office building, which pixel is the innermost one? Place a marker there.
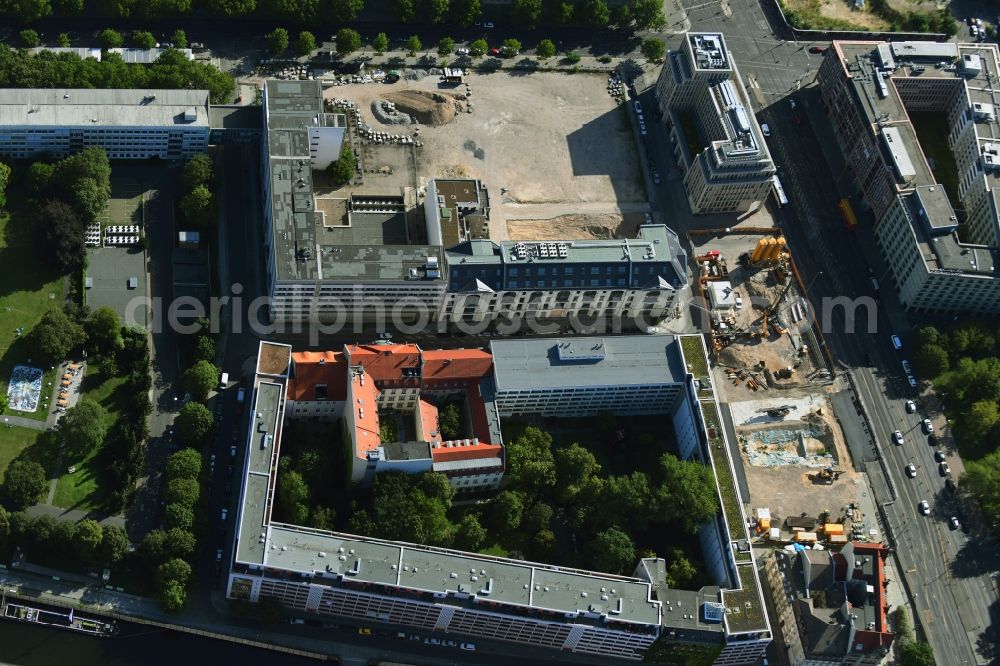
(715, 138)
(332, 259)
(614, 280)
(468, 596)
(870, 90)
(128, 124)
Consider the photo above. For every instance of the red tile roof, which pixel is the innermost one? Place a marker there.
(429, 422)
(471, 452)
(384, 363)
(455, 364)
(312, 368)
(366, 421)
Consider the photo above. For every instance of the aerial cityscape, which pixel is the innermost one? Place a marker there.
(417, 333)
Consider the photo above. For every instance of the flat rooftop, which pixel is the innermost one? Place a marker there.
(934, 226)
(74, 107)
(709, 49)
(552, 363)
(427, 569)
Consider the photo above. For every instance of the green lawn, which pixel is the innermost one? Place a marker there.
(28, 289)
(13, 442)
(81, 490)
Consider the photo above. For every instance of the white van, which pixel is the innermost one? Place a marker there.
(224, 381)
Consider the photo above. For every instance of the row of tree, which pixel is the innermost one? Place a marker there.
(43, 536)
(183, 491)
(964, 364)
(644, 14)
(197, 202)
(171, 71)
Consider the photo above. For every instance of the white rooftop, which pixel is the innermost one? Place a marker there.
(68, 107)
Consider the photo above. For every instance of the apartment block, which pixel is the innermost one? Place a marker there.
(715, 137)
(330, 259)
(940, 259)
(468, 595)
(128, 124)
(635, 279)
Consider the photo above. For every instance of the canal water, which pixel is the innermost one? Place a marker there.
(135, 645)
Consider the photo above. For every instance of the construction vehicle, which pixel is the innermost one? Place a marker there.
(777, 412)
(827, 475)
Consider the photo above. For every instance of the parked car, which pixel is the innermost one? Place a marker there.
(225, 512)
(939, 456)
(462, 52)
(765, 130)
(912, 380)
(488, 25)
(896, 342)
(897, 438)
(907, 368)
(638, 106)
(911, 471)
(471, 647)
(925, 508)
(954, 524)
(218, 555)
(818, 49)
(911, 407)
(943, 469)
(495, 51)
(364, 631)
(927, 426)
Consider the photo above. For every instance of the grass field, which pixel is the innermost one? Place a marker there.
(81, 489)
(28, 289)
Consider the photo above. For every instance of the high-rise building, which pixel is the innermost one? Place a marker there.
(702, 99)
(940, 259)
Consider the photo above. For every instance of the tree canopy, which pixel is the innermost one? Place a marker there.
(200, 379)
(653, 49)
(305, 44)
(198, 171)
(198, 208)
(277, 41)
(349, 41)
(530, 462)
(55, 335)
(83, 427)
(613, 551)
(194, 424)
(24, 483)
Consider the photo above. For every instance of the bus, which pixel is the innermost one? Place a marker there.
(779, 191)
(847, 212)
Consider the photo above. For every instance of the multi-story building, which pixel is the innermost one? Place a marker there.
(128, 124)
(614, 280)
(716, 140)
(869, 90)
(833, 604)
(471, 596)
(334, 259)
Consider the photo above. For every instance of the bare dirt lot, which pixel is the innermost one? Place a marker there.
(546, 138)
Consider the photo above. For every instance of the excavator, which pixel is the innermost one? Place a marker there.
(827, 475)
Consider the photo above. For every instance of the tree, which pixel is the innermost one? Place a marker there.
(577, 472)
(183, 491)
(87, 540)
(688, 492)
(4, 180)
(293, 494)
(901, 623)
(4, 402)
(346, 10)
(89, 200)
(450, 421)
(413, 45)
(653, 49)
(465, 12)
(621, 17)
(981, 417)
(627, 501)
(114, 545)
(194, 424)
(406, 10)
(179, 39)
(178, 515)
(66, 8)
(26, 11)
(612, 551)
(648, 14)
(84, 427)
(563, 14)
(526, 13)
(470, 534)
(433, 11)
(5, 528)
(572, 57)
(538, 517)
(30, 38)
(401, 510)
(200, 379)
(381, 43)
(305, 44)
(680, 572)
(104, 330)
(184, 464)
(506, 510)
(198, 171)
(982, 481)
(55, 335)
(172, 596)
(176, 570)
(926, 335)
(349, 41)
(24, 483)
(543, 544)
(511, 47)
(205, 349)
(142, 39)
(915, 653)
(445, 46)
(62, 236)
(342, 169)
(180, 543)
(232, 8)
(198, 208)
(529, 461)
(436, 486)
(595, 13)
(154, 547)
(62, 39)
(277, 41)
(322, 518)
(110, 39)
(545, 49)
(478, 48)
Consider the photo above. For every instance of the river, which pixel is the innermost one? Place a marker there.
(135, 645)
